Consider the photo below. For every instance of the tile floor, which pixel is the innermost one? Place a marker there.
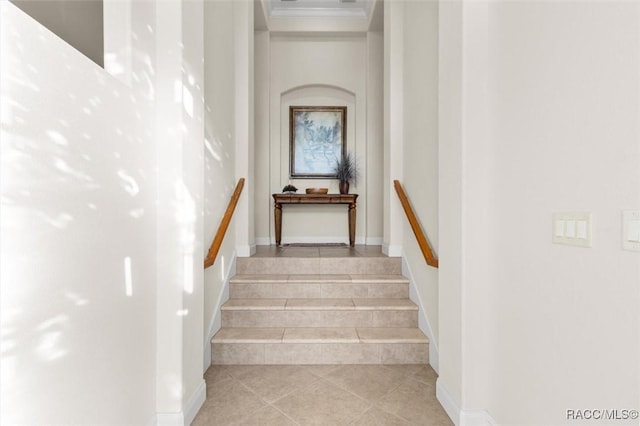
(319, 251)
(321, 395)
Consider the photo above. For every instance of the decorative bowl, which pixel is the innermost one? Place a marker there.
(317, 190)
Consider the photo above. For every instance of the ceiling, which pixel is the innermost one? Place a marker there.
(319, 8)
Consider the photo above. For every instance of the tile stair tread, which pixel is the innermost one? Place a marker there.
(322, 279)
(359, 304)
(319, 335)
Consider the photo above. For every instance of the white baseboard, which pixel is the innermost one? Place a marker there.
(423, 321)
(216, 320)
(461, 417)
(263, 241)
(392, 250)
(373, 241)
(476, 418)
(189, 411)
(170, 419)
(195, 402)
(448, 403)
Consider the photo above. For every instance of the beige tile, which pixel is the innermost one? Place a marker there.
(376, 417)
(337, 291)
(391, 335)
(320, 318)
(355, 265)
(297, 265)
(320, 335)
(370, 382)
(322, 403)
(404, 353)
(221, 406)
(425, 374)
(296, 291)
(395, 318)
(249, 291)
(300, 252)
(320, 370)
(245, 318)
(258, 278)
(338, 252)
(386, 265)
(268, 251)
(350, 353)
(248, 335)
(379, 278)
(254, 304)
(319, 278)
(237, 353)
(385, 304)
(256, 265)
(267, 416)
(292, 353)
(319, 304)
(272, 382)
(392, 291)
(216, 374)
(331, 265)
(416, 402)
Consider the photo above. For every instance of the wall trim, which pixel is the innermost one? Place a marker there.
(170, 419)
(263, 241)
(189, 410)
(461, 417)
(195, 402)
(373, 241)
(216, 320)
(448, 403)
(476, 418)
(392, 250)
(423, 321)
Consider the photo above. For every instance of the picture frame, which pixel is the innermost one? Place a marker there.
(317, 140)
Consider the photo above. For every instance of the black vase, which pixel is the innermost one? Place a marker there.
(344, 187)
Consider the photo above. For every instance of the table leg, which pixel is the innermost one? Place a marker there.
(352, 224)
(277, 213)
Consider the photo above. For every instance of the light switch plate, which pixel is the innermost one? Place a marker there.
(631, 230)
(572, 229)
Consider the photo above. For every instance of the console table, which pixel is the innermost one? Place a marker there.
(349, 199)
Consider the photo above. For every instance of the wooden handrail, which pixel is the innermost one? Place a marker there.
(415, 226)
(224, 224)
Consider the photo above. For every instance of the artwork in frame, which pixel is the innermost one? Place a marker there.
(317, 139)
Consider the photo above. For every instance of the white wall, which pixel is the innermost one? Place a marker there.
(220, 176)
(420, 156)
(102, 196)
(313, 70)
(78, 228)
(548, 109)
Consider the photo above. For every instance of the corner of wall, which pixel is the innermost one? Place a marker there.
(189, 410)
(423, 321)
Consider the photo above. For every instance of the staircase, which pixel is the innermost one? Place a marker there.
(290, 307)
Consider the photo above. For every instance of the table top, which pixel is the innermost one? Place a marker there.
(315, 198)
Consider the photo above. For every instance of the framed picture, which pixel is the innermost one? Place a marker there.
(317, 139)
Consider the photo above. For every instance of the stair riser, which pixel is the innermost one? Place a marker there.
(324, 318)
(318, 291)
(316, 265)
(319, 353)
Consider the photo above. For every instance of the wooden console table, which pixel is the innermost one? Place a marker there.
(350, 199)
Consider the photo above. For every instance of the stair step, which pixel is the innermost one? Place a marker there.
(319, 305)
(319, 265)
(319, 345)
(320, 318)
(252, 286)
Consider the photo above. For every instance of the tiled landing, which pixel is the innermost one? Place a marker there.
(321, 395)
